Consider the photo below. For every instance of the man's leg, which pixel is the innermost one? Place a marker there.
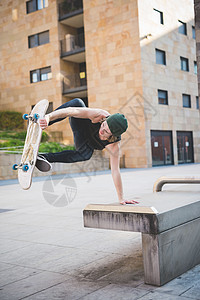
(70, 156)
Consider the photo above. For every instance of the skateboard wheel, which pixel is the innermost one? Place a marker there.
(36, 116)
(15, 167)
(25, 168)
(25, 116)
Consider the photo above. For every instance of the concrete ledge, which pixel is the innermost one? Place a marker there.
(119, 217)
(170, 230)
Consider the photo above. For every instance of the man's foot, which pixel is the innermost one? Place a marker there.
(42, 164)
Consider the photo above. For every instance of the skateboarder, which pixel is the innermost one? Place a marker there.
(92, 129)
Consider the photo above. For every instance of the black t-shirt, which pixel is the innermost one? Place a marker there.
(92, 136)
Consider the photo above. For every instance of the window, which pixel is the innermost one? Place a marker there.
(158, 16)
(40, 74)
(195, 67)
(193, 32)
(38, 39)
(160, 57)
(34, 5)
(50, 108)
(186, 100)
(162, 97)
(197, 102)
(182, 28)
(184, 64)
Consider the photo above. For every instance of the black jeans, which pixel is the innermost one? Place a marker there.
(83, 150)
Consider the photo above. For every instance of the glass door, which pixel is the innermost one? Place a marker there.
(185, 147)
(161, 147)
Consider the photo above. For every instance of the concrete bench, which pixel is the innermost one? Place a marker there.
(170, 226)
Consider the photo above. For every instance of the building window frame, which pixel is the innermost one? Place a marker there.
(184, 64)
(193, 33)
(195, 67)
(37, 38)
(162, 97)
(197, 102)
(42, 74)
(186, 100)
(182, 28)
(34, 5)
(160, 14)
(160, 57)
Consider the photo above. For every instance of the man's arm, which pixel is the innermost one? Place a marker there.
(94, 114)
(114, 151)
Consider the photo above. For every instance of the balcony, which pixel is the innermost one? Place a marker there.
(73, 48)
(71, 13)
(75, 85)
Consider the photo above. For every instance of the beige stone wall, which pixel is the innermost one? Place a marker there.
(17, 60)
(170, 77)
(114, 69)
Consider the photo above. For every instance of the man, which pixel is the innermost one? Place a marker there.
(92, 129)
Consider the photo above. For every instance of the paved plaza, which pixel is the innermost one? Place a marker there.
(46, 253)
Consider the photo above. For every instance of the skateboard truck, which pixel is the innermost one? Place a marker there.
(33, 117)
(23, 167)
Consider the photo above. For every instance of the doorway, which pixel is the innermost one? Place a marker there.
(161, 147)
(185, 147)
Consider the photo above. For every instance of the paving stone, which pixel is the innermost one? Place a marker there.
(116, 292)
(72, 289)
(15, 273)
(183, 283)
(194, 291)
(30, 285)
(153, 295)
(5, 266)
(7, 245)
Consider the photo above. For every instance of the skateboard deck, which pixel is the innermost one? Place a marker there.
(32, 143)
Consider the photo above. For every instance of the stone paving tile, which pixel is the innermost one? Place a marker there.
(30, 285)
(194, 291)
(153, 295)
(72, 289)
(114, 269)
(7, 245)
(116, 292)
(5, 266)
(183, 283)
(14, 274)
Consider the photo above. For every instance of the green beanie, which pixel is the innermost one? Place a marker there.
(117, 124)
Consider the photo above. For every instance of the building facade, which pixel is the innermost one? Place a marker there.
(135, 57)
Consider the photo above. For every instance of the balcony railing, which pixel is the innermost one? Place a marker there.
(72, 44)
(74, 83)
(70, 7)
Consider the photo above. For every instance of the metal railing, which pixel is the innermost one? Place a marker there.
(70, 7)
(72, 43)
(74, 82)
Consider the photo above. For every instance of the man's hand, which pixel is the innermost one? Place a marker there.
(99, 116)
(124, 202)
(44, 122)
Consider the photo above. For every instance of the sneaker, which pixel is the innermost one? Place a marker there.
(42, 164)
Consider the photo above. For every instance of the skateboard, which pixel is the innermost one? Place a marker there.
(32, 143)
